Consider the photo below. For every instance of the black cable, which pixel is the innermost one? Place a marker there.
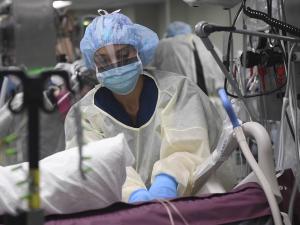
(255, 95)
(269, 8)
(230, 37)
(226, 63)
(290, 125)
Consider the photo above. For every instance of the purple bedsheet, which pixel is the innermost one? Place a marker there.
(243, 203)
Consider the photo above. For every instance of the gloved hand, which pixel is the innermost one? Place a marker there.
(164, 187)
(140, 195)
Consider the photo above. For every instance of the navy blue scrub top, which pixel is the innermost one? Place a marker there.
(105, 100)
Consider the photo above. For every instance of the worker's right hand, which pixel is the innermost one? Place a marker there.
(164, 187)
(140, 195)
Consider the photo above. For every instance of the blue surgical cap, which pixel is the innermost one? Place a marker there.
(177, 28)
(116, 28)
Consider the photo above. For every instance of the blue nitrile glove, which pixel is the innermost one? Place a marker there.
(140, 195)
(164, 187)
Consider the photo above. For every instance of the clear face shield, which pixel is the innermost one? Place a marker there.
(118, 67)
(114, 56)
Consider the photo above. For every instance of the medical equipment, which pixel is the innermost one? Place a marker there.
(203, 30)
(267, 178)
(33, 101)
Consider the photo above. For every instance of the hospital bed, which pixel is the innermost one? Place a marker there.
(245, 204)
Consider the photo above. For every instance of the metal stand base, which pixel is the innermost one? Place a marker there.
(35, 217)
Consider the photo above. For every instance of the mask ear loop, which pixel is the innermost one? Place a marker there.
(137, 55)
(97, 72)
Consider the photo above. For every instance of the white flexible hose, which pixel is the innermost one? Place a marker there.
(261, 177)
(294, 113)
(281, 158)
(287, 101)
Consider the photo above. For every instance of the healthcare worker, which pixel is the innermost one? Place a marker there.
(169, 123)
(184, 53)
(52, 137)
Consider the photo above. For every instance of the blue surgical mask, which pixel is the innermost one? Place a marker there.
(121, 80)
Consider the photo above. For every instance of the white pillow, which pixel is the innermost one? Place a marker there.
(62, 188)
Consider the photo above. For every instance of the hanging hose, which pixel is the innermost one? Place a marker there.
(241, 139)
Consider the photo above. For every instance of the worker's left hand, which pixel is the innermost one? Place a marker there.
(163, 187)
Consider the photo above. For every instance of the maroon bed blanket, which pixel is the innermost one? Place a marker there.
(242, 204)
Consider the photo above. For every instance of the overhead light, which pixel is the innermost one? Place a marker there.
(86, 23)
(61, 4)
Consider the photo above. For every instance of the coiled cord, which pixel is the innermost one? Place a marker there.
(271, 21)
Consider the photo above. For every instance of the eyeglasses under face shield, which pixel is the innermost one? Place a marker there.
(113, 56)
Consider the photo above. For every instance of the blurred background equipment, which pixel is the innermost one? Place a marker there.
(6, 33)
(34, 33)
(61, 4)
(223, 3)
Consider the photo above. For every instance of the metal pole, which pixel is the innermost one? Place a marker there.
(244, 71)
(33, 157)
(231, 45)
(261, 34)
(226, 73)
